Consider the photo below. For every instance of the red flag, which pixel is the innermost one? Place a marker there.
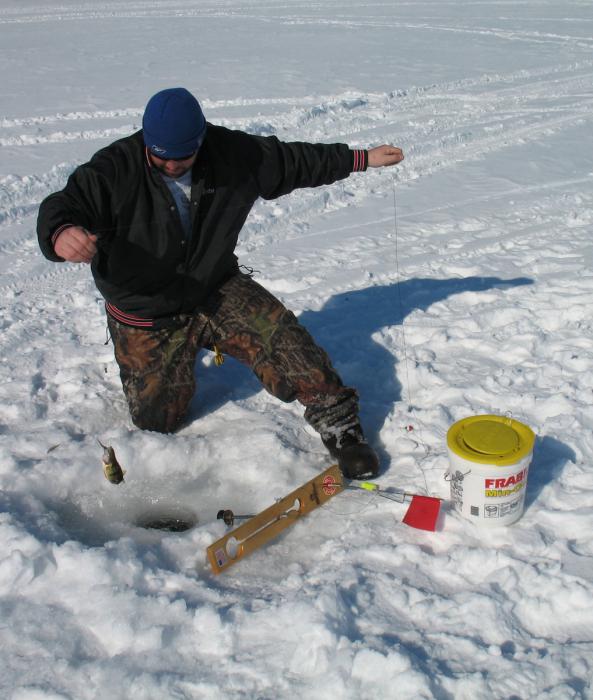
(423, 513)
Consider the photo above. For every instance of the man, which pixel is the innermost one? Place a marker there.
(157, 215)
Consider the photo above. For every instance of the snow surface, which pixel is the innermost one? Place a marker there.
(456, 284)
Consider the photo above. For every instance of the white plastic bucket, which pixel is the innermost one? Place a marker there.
(489, 459)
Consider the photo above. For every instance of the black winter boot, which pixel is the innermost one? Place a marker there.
(356, 459)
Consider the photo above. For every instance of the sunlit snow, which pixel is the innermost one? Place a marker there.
(458, 283)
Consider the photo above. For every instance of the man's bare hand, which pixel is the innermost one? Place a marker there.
(76, 244)
(385, 155)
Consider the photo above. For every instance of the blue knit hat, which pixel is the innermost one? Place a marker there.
(173, 124)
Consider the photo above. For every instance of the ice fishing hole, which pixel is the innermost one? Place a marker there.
(168, 520)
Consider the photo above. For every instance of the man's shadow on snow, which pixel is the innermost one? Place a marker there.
(350, 326)
(346, 327)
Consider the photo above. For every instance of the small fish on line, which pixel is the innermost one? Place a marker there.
(111, 467)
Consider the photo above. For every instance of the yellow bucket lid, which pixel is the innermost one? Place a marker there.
(495, 440)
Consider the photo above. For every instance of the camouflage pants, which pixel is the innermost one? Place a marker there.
(248, 323)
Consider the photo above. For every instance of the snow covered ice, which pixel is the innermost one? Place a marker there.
(455, 284)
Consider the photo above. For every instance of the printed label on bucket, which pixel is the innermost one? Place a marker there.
(456, 478)
(486, 494)
(504, 487)
(502, 510)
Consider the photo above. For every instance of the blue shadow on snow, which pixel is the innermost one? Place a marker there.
(345, 326)
(549, 459)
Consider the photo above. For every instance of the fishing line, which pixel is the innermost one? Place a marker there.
(399, 297)
(360, 505)
(411, 410)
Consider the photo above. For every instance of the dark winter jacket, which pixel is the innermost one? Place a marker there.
(144, 267)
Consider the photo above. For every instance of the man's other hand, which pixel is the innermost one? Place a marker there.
(385, 155)
(76, 244)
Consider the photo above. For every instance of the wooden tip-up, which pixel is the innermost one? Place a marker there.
(264, 526)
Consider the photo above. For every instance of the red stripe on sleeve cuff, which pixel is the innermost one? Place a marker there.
(56, 233)
(359, 160)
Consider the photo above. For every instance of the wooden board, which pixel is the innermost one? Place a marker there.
(264, 526)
